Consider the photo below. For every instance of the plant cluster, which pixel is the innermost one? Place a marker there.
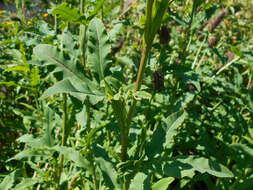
(151, 94)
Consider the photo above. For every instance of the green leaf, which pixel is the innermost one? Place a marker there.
(172, 123)
(182, 166)
(45, 29)
(162, 184)
(106, 166)
(26, 183)
(138, 181)
(51, 56)
(19, 68)
(28, 154)
(16, 55)
(203, 165)
(67, 14)
(243, 148)
(158, 9)
(35, 76)
(48, 139)
(98, 6)
(67, 86)
(98, 47)
(8, 181)
(74, 81)
(73, 155)
(142, 95)
(115, 31)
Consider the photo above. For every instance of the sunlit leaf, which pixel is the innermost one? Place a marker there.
(162, 184)
(98, 47)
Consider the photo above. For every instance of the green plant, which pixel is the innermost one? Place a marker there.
(148, 115)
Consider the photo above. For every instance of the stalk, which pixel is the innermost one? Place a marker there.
(91, 159)
(23, 10)
(63, 142)
(55, 24)
(147, 41)
(188, 34)
(122, 5)
(82, 34)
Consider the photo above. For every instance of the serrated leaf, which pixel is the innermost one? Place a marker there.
(98, 47)
(28, 154)
(51, 56)
(74, 82)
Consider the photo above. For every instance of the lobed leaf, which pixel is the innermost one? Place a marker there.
(98, 47)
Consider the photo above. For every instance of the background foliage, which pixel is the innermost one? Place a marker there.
(153, 94)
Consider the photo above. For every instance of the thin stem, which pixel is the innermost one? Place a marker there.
(87, 104)
(36, 93)
(64, 139)
(23, 10)
(55, 24)
(82, 37)
(82, 34)
(92, 165)
(122, 5)
(188, 35)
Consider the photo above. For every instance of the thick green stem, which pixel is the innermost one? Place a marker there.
(63, 141)
(143, 62)
(147, 41)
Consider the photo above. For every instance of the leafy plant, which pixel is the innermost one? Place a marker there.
(114, 102)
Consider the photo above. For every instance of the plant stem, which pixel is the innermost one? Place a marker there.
(87, 104)
(91, 159)
(144, 58)
(147, 41)
(122, 5)
(23, 10)
(64, 139)
(55, 24)
(188, 35)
